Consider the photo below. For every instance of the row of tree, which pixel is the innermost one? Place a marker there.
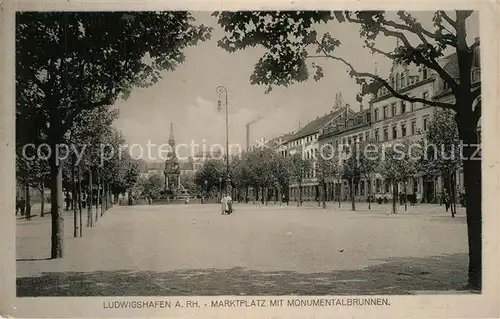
(72, 66)
(95, 167)
(293, 46)
(262, 169)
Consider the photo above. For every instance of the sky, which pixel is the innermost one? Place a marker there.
(187, 97)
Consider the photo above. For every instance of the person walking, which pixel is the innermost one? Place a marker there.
(446, 200)
(226, 204)
(22, 205)
(18, 205)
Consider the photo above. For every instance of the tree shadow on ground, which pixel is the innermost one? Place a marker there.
(394, 276)
(33, 259)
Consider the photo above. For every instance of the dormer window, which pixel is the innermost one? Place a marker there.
(424, 73)
(402, 80)
(397, 81)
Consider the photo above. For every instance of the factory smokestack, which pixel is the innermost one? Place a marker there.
(260, 117)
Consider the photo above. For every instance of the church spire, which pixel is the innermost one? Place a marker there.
(171, 140)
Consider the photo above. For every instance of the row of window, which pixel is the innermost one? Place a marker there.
(402, 80)
(350, 140)
(307, 191)
(381, 187)
(311, 153)
(385, 186)
(404, 107)
(304, 140)
(402, 132)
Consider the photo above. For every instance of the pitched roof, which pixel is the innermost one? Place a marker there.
(450, 64)
(317, 124)
(279, 140)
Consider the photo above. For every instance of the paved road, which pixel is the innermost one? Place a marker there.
(193, 250)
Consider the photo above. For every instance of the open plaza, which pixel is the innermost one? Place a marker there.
(188, 250)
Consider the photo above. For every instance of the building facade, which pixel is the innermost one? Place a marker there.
(387, 120)
(339, 134)
(305, 141)
(395, 120)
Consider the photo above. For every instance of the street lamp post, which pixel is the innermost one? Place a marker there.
(220, 90)
(339, 178)
(354, 186)
(220, 187)
(206, 189)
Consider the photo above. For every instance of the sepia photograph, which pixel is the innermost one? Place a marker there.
(248, 154)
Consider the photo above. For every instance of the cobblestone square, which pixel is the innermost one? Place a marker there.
(259, 250)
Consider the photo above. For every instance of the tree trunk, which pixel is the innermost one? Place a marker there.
(110, 197)
(98, 184)
(454, 195)
(266, 191)
(450, 192)
(353, 187)
(67, 206)
(56, 201)
(90, 222)
(299, 203)
(340, 194)
(80, 217)
(406, 198)
(317, 194)
(324, 194)
(394, 197)
(369, 194)
(75, 212)
(103, 196)
(42, 198)
(472, 178)
(472, 181)
(28, 202)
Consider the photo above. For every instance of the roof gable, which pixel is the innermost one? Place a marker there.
(316, 125)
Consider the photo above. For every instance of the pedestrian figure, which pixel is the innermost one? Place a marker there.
(84, 200)
(67, 199)
(226, 204)
(462, 199)
(18, 205)
(22, 204)
(446, 200)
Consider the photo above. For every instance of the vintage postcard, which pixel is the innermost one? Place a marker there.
(257, 160)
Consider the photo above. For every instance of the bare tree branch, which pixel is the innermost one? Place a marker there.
(477, 109)
(476, 93)
(428, 61)
(396, 94)
(372, 47)
(447, 18)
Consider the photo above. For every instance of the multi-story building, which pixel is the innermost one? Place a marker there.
(444, 94)
(394, 120)
(345, 131)
(388, 120)
(305, 141)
